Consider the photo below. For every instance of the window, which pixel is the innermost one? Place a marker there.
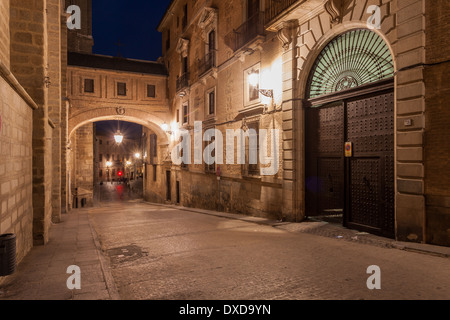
(212, 41)
(210, 167)
(151, 91)
(121, 89)
(252, 148)
(100, 158)
(89, 85)
(253, 8)
(252, 85)
(185, 17)
(154, 172)
(168, 40)
(253, 88)
(211, 96)
(185, 65)
(153, 146)
(100, 174)
(101, 141)
(108, 157)
(185, 114)
(178, 115)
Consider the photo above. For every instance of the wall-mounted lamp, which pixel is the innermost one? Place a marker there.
(254, 79)
(166, 128)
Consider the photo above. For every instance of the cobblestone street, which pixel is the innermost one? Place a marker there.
(159, 252)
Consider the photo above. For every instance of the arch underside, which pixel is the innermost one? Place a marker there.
(148, 120)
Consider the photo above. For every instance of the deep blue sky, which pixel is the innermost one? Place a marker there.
(134, 22)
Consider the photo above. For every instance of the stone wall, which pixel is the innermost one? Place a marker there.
(16, 208)
(55, 94)
(29, 61)
(437, 132)
(4, 32)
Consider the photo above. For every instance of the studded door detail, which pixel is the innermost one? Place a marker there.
(324, 160)
(362, 186)
(370, 127)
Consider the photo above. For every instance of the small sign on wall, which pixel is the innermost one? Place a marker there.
(348, 149)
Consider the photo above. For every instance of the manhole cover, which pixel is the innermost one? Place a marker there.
(125, 254)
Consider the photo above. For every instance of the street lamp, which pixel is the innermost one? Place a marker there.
(118, 137)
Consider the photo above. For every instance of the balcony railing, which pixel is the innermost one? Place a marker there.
(207, 63)
(183, 81)
(248, 31)
(275, 8)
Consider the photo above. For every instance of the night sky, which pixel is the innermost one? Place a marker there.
(133, 22)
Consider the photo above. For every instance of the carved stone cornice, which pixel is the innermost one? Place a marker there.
(183, 47)
(208, 16)
(285, 34)
(336, 9)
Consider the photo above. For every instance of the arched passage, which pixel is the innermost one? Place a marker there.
(82, 159)
(350, 132)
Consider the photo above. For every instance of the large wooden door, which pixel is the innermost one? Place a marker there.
(361, 186)
(370, 173)
(325, 160)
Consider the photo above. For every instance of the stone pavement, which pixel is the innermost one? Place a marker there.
(329, 230)
(42, 273)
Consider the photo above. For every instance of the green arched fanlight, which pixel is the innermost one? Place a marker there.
(352, 59)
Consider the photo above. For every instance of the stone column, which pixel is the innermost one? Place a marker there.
(288, 36)
(29, 63)
(410, 56)
(54, 102)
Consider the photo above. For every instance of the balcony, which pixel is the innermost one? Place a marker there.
(183, 81)
(247, 32)
(275, 7)
(207, 63)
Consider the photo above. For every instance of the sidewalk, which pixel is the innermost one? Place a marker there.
(329, 230)
(42, 273)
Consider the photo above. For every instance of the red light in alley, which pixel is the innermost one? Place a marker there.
(120, 173)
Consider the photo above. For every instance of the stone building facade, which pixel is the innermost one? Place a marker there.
(288, 43)
(233, 64)
(111, 158)
(108, 88)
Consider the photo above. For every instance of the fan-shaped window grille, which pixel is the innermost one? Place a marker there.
(353, 59)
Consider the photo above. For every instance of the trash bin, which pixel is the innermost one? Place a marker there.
(7, 254)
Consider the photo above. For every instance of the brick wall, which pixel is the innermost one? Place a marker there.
(16, 211)
(437, 124)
